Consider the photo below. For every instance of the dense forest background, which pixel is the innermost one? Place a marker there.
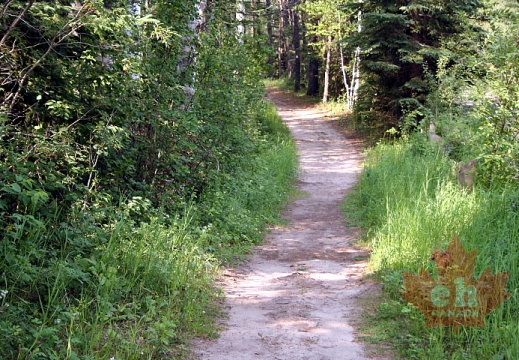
(409, 64)
(137, 152)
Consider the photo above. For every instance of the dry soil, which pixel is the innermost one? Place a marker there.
(295, 296)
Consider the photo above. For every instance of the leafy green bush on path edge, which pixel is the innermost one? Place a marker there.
(409, 203)
(112, 286)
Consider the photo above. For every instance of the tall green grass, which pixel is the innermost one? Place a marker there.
(408, 201)
(135, 296)
(151, 288)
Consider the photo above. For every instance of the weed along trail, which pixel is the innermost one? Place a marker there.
(295, 297)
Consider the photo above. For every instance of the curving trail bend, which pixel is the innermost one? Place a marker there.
(295, 297)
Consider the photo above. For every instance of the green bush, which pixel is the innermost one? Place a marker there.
(118, 200)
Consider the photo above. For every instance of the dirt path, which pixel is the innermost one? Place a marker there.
(294, 298)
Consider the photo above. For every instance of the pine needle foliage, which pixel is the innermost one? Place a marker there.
(398, 41)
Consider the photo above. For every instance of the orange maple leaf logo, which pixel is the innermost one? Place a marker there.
(456, 298)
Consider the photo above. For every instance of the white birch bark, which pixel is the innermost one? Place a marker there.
(240, 17)
(327, 69)
(356, 62)
(188, 57)
(347, 88)
(352, 87)
(343, 68)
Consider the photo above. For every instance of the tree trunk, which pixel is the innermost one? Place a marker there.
(355, 82)
(355, 75)
(313, 67)
(189, 51)
(252, 18)
(313, 76)
(344, 77)
(270, 38)
(304, 52)
(286, 40)
(297, 60)
(343, 68)
(327, 69)
(240, 18)
(280, 54)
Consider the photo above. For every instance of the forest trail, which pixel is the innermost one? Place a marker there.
(295, 296)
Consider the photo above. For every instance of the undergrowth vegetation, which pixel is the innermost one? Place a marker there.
(413, 196)
(128, 288)
(136, 155)
(410, 203)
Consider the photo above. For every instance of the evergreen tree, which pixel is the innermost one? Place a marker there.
(399, 41)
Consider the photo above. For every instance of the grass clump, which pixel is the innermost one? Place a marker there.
(136, 294)
(408, 201)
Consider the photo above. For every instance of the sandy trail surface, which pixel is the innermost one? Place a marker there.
(295, 296)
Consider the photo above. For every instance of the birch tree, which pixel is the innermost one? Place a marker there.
(187, 59)
(352, 86)
(325, 29)
(240, 20)
(328, 52)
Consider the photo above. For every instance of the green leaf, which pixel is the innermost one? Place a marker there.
(147, 20)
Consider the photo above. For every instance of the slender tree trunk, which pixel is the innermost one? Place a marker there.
(327, 69)
(343, 68)
(281, 30)
(189, 52)
(304, 52)
(313, 68)
(297, 59)
(313, 77)
(355, 83)
(286, 41)
(240, 17)
(355, 77)
(268, 5)
(252, 19)
(344, 77)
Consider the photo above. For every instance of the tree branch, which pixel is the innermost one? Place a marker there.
(15, 22)
(56, 40)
